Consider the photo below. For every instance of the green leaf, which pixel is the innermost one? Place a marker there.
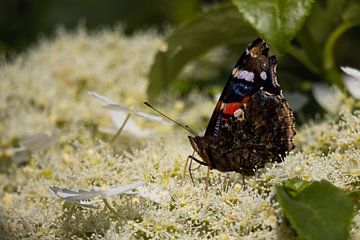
(324, 17)
(295, 186)
(219, 26)
(355, 197)
(319, 210)
(352, 11)
(278, 21)
(179, 11)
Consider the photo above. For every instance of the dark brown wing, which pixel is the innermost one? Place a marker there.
(262, 133)
(254, 70)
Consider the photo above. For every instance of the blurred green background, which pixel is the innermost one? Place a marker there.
(22, 22)
(311, 39)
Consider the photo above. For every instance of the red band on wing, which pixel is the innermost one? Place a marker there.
(230, 108)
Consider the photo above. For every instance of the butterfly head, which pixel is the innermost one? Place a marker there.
(201, 145)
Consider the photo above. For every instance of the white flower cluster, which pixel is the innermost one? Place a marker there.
(44, 98)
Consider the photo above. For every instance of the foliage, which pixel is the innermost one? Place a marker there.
(304, 31)
(195, 39)
(277, 21)
(316, 210)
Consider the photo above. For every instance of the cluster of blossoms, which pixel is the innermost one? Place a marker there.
(44, 95)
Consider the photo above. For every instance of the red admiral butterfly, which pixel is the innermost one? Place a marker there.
(252, 123)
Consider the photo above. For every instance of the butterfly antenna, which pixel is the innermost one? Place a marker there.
(186, 127)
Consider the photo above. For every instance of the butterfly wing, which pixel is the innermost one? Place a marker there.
(263, 135)
(254, 70)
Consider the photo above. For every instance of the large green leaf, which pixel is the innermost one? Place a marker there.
(316, 210)
(277, 21)
(219, 26)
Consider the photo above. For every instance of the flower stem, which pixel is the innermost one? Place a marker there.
(328, 53)
(302, 58)
(121, 128)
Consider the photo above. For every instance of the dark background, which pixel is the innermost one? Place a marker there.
(22, 22)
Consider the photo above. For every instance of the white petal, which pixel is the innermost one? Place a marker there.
(159, 196)
(117, 107)
(79, 194)
(127, 189)
(351, 71)
(327, 97)
(352, 85)
(38, 141)
(101, 97)
(74, 195)
(296, 100)
(131, 126)
(111, 105)
(20, 155)
(152, 117)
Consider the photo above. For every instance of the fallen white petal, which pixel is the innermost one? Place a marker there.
(31, 144)
(131, 126)
(38, 141)
(152, 117)
(159, 196)
(20, 155)
(68, 194)
(111, 105)
(119, 108)
(118, 114)
(101, 97)
(123, 189)
(85, 198)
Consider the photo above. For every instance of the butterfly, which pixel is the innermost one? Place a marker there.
(252, 122)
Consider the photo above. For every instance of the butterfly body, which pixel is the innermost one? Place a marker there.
(252, 123)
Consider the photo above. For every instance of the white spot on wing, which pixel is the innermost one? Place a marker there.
(246, 75)
(263, 75)
(239, 114)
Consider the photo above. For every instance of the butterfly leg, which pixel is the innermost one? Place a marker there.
(190, 169)
(199, 162)
(187, 162)
(207, 175)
